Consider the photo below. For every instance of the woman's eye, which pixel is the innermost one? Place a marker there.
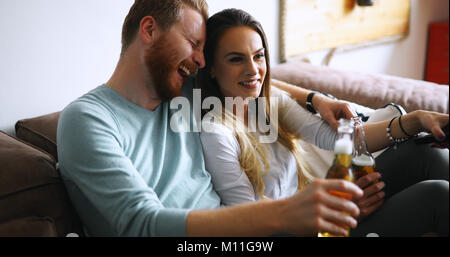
(235, 59)
(259, 56)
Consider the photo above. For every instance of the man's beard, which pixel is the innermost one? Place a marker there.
(160, 60)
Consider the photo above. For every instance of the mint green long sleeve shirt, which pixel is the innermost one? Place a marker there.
(126, 171)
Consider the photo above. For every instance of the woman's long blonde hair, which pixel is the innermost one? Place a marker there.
(253, 159)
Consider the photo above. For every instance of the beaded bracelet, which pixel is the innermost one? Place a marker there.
(394, 141)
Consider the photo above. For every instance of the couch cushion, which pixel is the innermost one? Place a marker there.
(40, 131)
(28, 227)
(30, 185)
(371, 90)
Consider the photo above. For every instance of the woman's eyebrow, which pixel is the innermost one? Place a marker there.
(234, 53)
(241, 54)
(260, 50)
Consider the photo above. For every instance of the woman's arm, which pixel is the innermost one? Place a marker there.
(298, 93)
(222, 154)
(330, 110)
(310, 128)
(413, 123)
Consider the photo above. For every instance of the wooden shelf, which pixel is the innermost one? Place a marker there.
(311, 25)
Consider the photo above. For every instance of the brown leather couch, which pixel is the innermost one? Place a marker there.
(33, 199)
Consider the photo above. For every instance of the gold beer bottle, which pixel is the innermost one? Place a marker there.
(342, 164)
(363, 162)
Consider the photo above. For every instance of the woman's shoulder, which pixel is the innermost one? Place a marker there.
(217, 131)
(216, 127)
(215, 135)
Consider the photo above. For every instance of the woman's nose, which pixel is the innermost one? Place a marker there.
(252, 68)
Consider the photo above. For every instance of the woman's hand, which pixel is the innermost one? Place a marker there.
(373, 194)
(434, 122)
(314, 209)
(332, 110)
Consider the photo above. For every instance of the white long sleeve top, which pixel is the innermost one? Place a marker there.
(222, 154)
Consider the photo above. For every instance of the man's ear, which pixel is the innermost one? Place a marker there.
(148, 29)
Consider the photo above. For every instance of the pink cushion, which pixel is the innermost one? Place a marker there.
(371, 90)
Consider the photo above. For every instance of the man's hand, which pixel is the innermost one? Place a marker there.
(314, 209)
(332, 110)
(373, 195)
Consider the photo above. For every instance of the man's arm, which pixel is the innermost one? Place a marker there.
(259, 218)
(330, 110)
(108, 192)
(304, 214)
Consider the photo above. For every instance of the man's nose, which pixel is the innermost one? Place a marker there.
(199, 59)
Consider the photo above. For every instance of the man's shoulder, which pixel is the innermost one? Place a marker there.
(91, 106)
(96, 99)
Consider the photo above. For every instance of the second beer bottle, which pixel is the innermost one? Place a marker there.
(342, 164)
(363, 162)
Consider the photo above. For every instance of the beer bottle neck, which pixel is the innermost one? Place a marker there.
(343, 160)
(359, 138)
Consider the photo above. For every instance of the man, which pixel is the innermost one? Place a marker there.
(129, 174)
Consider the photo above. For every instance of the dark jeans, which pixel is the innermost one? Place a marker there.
(417, 193)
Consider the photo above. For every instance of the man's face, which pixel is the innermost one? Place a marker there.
(177, 54)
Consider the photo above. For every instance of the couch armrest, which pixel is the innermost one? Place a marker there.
(371, 90)
(28, 227)
(31, 186)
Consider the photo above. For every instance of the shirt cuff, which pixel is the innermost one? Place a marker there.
(171, 222)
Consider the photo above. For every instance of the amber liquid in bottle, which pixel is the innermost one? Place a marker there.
(341, 169)
(342, 166)
(363, 166)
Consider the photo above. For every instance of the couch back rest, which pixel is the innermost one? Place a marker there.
(40, 132)
(370, 90)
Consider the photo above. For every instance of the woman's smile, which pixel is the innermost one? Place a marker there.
(251, 84)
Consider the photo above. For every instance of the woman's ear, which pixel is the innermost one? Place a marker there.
(147, 29)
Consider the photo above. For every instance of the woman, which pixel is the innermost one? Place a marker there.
(244, 169)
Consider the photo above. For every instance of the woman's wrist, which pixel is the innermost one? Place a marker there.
(411, 123)
(317, 101)
(309, 102)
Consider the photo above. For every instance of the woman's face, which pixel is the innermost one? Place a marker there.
(239, 63)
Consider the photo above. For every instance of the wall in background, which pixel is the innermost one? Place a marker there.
(53, 51)
(405, 58)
